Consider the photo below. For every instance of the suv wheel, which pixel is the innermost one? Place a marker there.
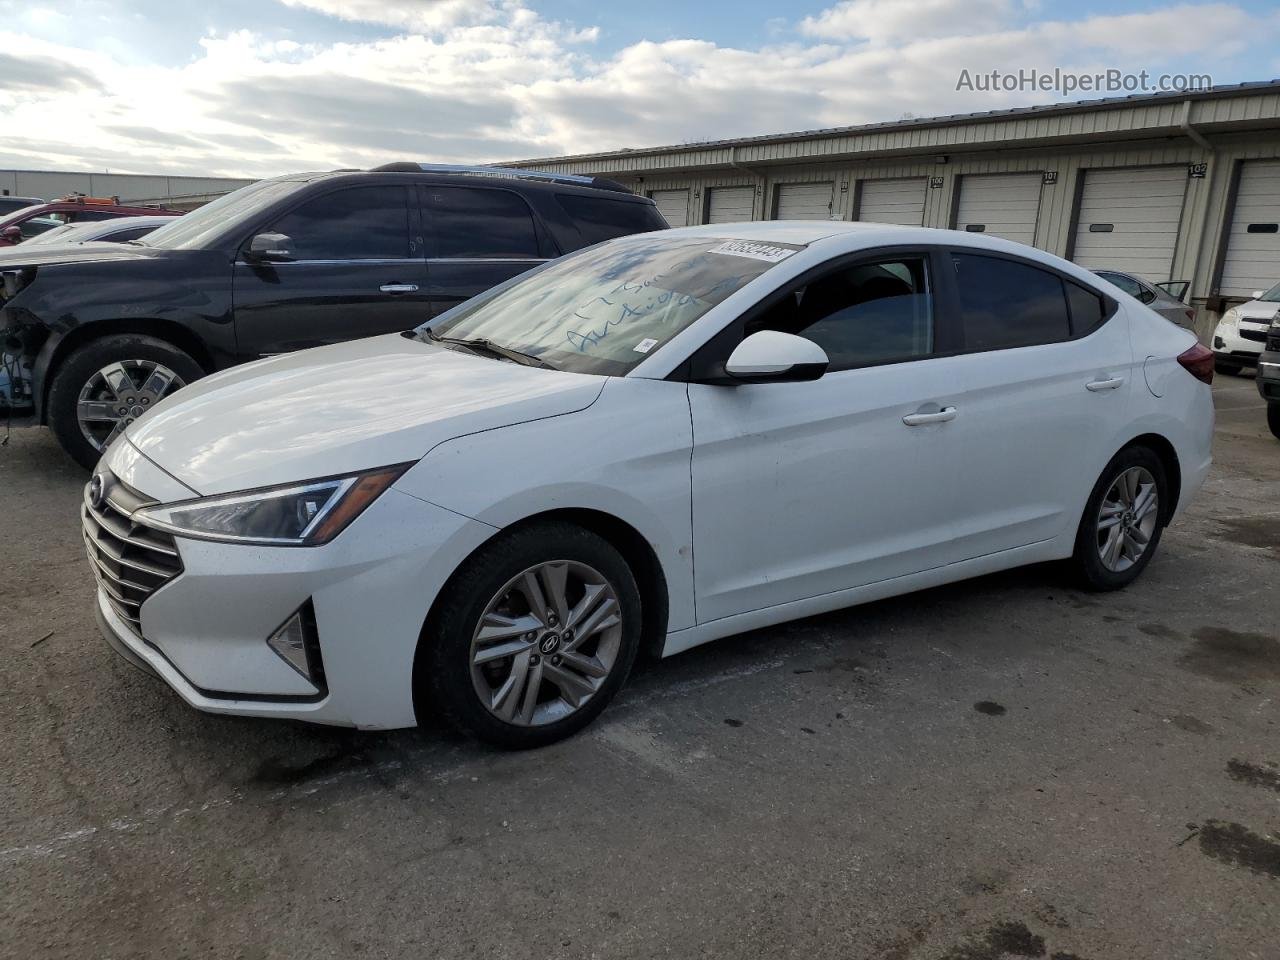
(1228, 369)
(1273, 418)
(1123, 521)
(533, 636)
(104, 385)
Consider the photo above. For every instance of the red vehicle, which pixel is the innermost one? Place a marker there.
(26, 223)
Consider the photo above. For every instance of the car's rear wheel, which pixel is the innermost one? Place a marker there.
(533, 636)
(1123, 520)
(103, 386)
(1273, 418)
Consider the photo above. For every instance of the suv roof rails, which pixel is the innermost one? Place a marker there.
(405, 166)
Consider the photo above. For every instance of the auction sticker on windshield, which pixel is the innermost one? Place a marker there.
(770, 252)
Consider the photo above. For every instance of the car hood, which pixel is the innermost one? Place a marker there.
(343, 408)
(1259, 311)
(41, 254)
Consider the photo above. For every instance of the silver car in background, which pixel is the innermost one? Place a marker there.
(1153, 295)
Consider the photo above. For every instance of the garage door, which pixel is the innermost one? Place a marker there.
(892, 201)
(1129, 219)
(673, 205)
(727, 204)
(1001, 205)
(804, 201)
(1253, 243)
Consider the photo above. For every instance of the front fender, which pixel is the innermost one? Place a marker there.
(626, 456)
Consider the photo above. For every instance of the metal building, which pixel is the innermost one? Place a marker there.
(129, 187)
(1179, 186)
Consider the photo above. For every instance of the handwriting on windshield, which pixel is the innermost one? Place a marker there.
(636, 299)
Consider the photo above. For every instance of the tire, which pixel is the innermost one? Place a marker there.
(1273, 418)
(447, 682)
(1227, 369)
(1092, 571)
(140, 356)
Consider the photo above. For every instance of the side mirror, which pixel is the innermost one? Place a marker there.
(770, 356)
(1257, 295)
(11, 234)
(271, 247)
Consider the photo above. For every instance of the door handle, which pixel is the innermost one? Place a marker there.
(1097, 386)
(942, 416)
(399, 288)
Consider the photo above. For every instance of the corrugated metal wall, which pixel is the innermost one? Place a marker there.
(128, 187)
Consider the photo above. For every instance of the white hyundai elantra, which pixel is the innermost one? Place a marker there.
(652, 443)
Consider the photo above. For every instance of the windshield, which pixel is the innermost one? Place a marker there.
(1272, 295)
(194, 230)
(608, 307)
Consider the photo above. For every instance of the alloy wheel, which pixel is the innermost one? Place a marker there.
(1127, 519)
(546, 643)
(119, 394)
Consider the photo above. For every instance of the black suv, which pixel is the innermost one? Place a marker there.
(1269, 377)
(95, 336)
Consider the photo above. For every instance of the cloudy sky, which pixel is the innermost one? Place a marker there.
(258, 87)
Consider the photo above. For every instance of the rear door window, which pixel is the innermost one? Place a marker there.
(478, 223)
(358, 223)
(600, 218)
(1005, 303)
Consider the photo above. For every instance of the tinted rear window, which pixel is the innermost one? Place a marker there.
(1009, 304)
(476, 223)
(599, 218)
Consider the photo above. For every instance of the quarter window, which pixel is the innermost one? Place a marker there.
(361, 223)
(862, 314)
(473, 223)
(1086, 308)
(1007, 304)
(600, 219)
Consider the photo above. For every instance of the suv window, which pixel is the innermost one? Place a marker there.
(358, 223)
(599, 218)
(475, 223)
(1006, 304)
(862, 314)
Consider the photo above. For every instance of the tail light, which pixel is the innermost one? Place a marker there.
(1198, 361)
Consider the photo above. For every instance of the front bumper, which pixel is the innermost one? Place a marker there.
(1242, 343)
(204, 632)
(1269, 376)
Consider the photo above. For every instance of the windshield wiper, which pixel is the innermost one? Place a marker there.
(481, 345)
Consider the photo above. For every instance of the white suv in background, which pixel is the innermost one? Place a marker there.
(1240, 334)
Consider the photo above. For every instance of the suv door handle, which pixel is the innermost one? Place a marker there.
(1097, 386)
(399, 288)
(942, 416)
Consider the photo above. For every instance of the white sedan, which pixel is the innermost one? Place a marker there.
(649, 444)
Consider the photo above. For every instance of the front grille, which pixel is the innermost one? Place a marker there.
(1259, 335)
(130, 561)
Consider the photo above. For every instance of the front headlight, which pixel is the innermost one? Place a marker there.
(298, 515)
(1232, 317)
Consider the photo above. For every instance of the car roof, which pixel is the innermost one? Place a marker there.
(858, 235)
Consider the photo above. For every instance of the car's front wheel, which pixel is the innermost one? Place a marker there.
(532, 637)
(1273, 418)
(106, 384)
(1123, 520)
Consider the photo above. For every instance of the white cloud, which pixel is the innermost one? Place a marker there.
(474, 80)
(892, 21)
